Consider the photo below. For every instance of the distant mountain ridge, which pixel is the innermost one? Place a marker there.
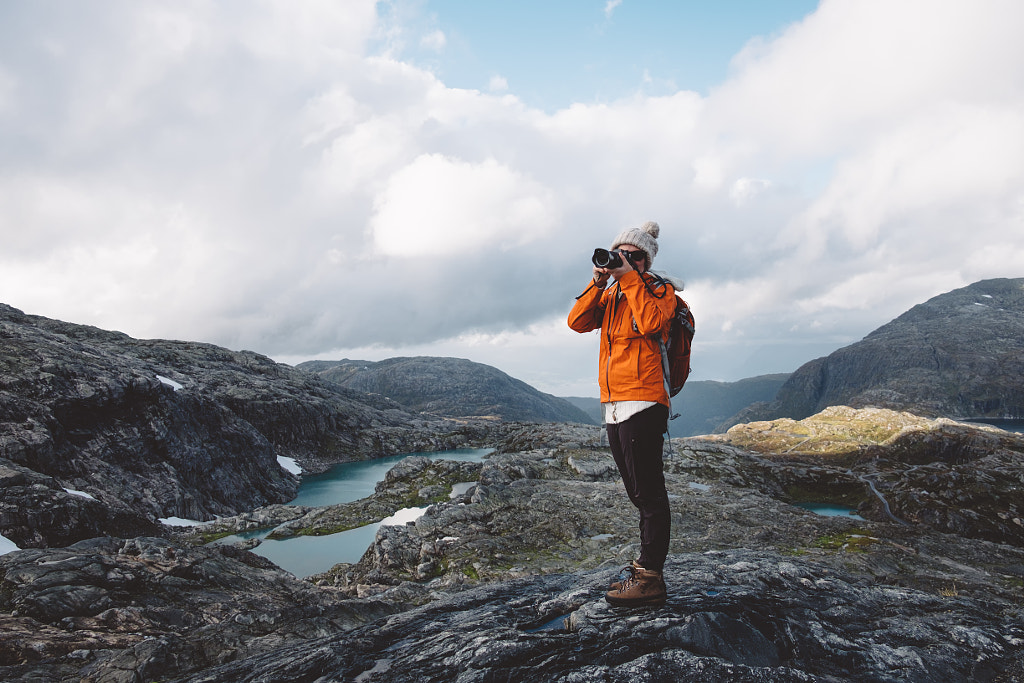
(704, 405)
(452, 387)
(958, 355)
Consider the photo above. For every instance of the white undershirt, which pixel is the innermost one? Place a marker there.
(620, 411)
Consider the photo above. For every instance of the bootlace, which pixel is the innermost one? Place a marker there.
(628, 580)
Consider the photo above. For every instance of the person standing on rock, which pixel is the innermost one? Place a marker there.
(633, 316)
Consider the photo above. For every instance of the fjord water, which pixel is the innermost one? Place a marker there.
(349, 481)
(343, 483)
(1006, 425)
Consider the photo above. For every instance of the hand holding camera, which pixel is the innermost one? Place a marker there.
(615, 262)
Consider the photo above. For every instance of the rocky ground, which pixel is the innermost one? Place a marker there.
(737, 615)
(506, 582)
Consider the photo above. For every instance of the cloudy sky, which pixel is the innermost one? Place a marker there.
(360, 179)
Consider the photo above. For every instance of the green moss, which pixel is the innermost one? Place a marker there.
(214, 536)
(856, 541)
(328, 530)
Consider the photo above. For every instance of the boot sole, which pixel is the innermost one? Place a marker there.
(636, 602)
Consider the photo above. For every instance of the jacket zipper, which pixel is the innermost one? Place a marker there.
(608, 337)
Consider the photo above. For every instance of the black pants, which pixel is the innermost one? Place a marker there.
(637, 446)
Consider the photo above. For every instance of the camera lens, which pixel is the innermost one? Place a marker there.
(603, 258)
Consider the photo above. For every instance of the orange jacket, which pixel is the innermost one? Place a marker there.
(631, 321)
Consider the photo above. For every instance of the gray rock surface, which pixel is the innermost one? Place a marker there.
(737, 615)
(506, 581)
(958, 355)
(145, 609)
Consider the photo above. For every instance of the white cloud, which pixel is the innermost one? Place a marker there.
(497, 84)
(745, 189)
(442, 206)
(263, 180)
(434, 41)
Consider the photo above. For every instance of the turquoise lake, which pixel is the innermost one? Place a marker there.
(343, 483)
(349, 481)
(827, 510)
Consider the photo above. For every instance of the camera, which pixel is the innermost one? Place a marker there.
(603, 258)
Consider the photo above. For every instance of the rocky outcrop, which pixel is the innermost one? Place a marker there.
(506, 581)
(147, 609)
(956, 478)
(958, 355)
(452, 387)
(36, 511)
(738, 615)
(152, 429)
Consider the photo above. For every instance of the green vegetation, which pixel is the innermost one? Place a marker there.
(211, 536)
(328, 530)
(855, 541)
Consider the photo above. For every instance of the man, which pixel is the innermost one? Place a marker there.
(633, 316)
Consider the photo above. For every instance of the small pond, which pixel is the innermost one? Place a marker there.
(348, 481)
(343, 483)
(829, 510)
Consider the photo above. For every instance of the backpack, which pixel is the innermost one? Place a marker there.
(675, 354)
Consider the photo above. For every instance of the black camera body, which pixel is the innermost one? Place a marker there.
(604, 258)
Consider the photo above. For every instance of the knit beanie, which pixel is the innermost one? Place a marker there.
(645, 237)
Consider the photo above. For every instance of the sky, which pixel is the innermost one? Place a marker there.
(356, 179)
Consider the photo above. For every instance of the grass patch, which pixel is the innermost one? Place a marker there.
(327, 531)
(210, 537)
(855, 541)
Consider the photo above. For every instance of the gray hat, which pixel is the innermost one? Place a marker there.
(645, 237)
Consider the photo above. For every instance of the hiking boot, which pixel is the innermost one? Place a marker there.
(623, 574)
(641, 587)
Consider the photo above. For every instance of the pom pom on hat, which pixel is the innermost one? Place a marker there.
(645, 237)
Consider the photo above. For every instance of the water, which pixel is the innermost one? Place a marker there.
(349, 481)
(307, 555)
(828, 510)
(1007, 425)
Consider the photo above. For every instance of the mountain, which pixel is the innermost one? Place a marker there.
(703, 405)
(452, 387)
(959, 355)
(104, 434)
